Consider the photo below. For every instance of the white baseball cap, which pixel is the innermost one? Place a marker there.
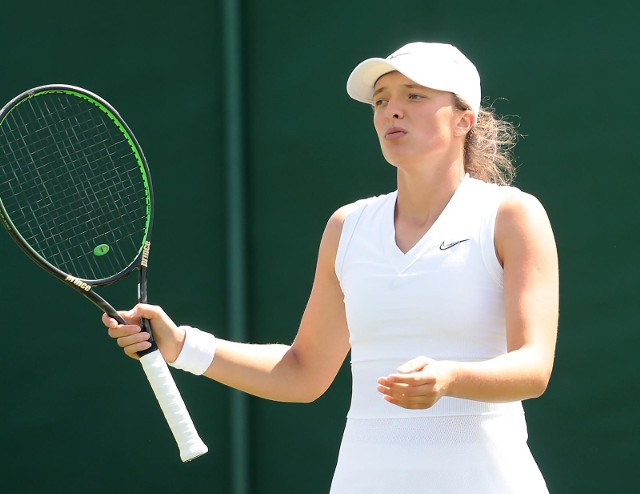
(434, 65)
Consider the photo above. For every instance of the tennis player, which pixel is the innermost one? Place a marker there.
(445, 291)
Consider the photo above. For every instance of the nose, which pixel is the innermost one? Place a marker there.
(394, 109)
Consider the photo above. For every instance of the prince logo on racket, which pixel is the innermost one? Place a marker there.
(79, 283)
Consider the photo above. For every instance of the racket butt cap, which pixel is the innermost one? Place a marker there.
(193, 451)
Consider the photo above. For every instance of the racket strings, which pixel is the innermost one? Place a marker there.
(74, 187)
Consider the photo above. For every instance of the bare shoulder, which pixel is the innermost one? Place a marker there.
(518, 207)
(340, 214)
(522, 223)
(333, 230)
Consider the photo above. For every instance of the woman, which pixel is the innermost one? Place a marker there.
(447, 287)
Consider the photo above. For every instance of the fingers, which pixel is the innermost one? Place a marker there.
(413, 394)
(415, 385)
(132, 339)
(129, 336)
(134, 343)
(134, 315)
(145, 311)
(109, 321)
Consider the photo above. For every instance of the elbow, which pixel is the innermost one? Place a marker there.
(539, 384)
(308, 391)
(538, 389)
(303, 398)
(310, 395)
(308, 399)
(296, 396)
(537, 373)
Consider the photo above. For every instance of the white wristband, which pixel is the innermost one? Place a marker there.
(197, 352)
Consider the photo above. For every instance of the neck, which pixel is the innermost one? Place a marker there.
(424, 193)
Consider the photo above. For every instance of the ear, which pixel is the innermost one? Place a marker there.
(466, 120)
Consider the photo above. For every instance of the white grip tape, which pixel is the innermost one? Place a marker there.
(173, 407)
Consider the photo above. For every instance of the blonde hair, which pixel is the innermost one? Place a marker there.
(488, 146)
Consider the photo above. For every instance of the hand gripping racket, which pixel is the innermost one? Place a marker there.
(76, 195)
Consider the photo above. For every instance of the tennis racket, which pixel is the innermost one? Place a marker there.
(76, 196)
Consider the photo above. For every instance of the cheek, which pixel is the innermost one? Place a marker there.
(377, 123)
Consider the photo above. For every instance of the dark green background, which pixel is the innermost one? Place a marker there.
(77, 416)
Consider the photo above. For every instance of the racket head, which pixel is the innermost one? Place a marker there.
(75, 187)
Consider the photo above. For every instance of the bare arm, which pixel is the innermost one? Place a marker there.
(299, 372)
(526, 247)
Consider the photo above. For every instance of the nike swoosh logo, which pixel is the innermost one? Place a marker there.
(398, 55)
(448, 246)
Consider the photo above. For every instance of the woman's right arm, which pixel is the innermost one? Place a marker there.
(300, 372)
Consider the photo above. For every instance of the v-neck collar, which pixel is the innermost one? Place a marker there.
(403, 260)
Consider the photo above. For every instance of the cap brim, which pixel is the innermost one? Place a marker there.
(364, 76)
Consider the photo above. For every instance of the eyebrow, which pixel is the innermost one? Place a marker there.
(408, 86)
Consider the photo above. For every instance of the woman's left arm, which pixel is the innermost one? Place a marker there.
(526, 248)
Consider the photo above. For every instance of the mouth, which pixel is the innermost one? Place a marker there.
(394, 133)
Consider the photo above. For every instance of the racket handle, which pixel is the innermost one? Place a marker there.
(173, 407)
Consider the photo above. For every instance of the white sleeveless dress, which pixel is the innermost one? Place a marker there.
(443, 299)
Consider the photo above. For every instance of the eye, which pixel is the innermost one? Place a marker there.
(379, 102)
(416, 96)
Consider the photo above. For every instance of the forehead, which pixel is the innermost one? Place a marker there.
(392, 79)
